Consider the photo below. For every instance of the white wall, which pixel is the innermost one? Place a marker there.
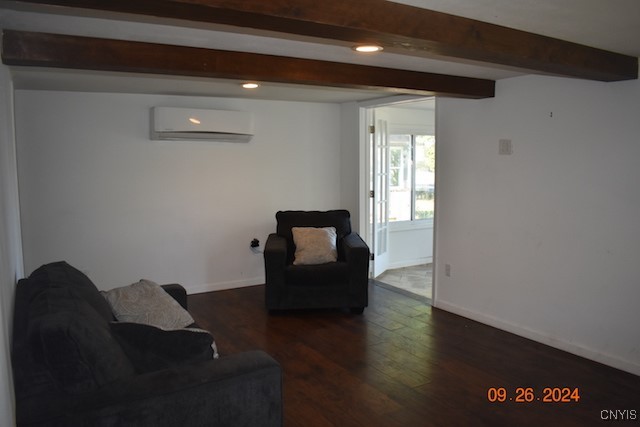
(352, 158)
(410, 244)
(98, 193)
(545, 242)
(10, 247)
(406, 118)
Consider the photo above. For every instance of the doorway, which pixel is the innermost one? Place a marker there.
(401, 208)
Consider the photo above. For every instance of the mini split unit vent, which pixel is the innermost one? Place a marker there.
(195, 124)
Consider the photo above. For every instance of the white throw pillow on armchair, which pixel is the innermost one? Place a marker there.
(314, 245)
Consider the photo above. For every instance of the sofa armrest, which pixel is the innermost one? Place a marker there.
(243, 389)
(178, 292)
(356, 251)
(275, 251)
(275, 261)
(357, 254)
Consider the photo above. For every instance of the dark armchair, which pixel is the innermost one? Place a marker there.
(339, 284)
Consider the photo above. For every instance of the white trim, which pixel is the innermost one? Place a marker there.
(410, 129)
(435, 273)
(419, 224)
(392, 100)
(363, 173)
(221, 286)
(520, 330)
(410, 262)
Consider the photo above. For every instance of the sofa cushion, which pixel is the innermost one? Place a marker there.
(314, 245)
(62, 334)
(146, 302)
(63, 276)
(322, 275)
(76, 345)
(151, 349)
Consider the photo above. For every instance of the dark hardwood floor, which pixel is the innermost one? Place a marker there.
(403, 363)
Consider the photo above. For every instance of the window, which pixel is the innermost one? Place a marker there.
(411, 177)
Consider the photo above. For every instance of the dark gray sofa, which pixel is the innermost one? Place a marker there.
(70, 370)
(340, 284)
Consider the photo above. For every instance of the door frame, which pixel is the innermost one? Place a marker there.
(366, 227)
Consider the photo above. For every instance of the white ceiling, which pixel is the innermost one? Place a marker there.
(612, 25)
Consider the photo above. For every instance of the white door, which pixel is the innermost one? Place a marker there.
(380, 197)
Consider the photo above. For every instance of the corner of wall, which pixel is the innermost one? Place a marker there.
(10, 243)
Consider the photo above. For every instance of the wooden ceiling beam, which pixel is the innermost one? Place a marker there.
(397, 27)
(87, 53)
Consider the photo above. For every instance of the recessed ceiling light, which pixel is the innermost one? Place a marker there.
(367, 48)
(250, 85)
(194, 120)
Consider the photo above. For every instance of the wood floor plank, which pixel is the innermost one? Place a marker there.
(403, 363)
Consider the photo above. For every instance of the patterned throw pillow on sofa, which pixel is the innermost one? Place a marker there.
(146, 302)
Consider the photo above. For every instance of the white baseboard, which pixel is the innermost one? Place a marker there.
(587, 353)
(221, 286)
(410, 262)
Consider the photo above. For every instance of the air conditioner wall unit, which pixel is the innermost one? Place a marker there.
(169, 123)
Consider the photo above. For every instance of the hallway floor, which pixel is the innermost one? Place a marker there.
(416, 279)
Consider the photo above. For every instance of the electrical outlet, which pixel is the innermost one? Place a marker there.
(505, 147)
(447, 270)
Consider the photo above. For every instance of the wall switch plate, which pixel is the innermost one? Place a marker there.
(505, 147)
